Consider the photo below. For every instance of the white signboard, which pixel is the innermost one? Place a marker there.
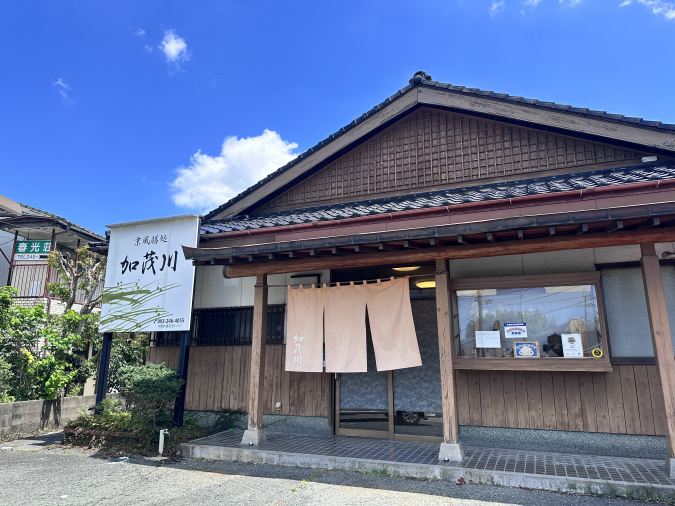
(488, 339)
(572, 345)
(148, 282)
(515, 330)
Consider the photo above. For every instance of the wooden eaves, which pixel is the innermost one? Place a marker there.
(530, 234)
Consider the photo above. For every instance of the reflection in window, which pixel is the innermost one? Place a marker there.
(559, 321)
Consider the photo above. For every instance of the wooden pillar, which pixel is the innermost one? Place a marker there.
(255, 433)
(451, 448)
(661, 341)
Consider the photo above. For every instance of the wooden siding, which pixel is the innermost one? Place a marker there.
(627, 400)
(218, 378)
(430, 147)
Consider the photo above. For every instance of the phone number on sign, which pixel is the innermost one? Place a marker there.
(169, 322)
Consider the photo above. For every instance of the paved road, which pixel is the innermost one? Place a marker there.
(33, 473)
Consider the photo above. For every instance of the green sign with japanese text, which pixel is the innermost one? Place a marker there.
(31, 250)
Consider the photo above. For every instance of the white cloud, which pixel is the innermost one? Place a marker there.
(174, 48)
(61, 83)
(148, 49)
(569, 3)
(496, 7)
(140, 32)
(210, 181)
(61, 88)
(666, 9)
(531, 3)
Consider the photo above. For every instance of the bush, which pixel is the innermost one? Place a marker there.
(151, 390)
(151, 386)
(5, 382)
(111, 417)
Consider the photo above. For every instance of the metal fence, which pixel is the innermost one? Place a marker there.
(227, 326)
(31, 281)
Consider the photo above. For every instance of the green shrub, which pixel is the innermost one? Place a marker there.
(151, 386)
(5, 382)
(111, 417)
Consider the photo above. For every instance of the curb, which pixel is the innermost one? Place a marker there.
(441, 472)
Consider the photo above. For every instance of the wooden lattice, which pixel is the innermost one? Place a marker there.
(430, 147)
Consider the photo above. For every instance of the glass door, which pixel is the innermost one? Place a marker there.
(400, 405)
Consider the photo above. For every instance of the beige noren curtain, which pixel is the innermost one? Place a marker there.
(346, 329)
(391, 325)
(344, 307)
(304, 330)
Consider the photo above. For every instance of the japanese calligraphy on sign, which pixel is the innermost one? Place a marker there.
(148, 282)
(32, 250)
(297, 351)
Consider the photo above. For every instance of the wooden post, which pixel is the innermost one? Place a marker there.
(661, 341)
(451, 448)
(255, 433)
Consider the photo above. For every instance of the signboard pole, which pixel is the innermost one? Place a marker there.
(103, 368)
(183, 361)
(11, 261)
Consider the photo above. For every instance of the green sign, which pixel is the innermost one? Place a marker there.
(31, 250)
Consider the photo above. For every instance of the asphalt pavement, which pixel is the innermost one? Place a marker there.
(35, 472)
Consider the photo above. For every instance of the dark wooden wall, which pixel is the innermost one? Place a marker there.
(218, 378)
(430, 147)
(626, 401)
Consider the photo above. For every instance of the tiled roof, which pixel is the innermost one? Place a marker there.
(442, 198)
(415, 81)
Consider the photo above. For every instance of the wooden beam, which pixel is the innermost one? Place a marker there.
(661, 341)
(521, 236)
(438, 242)
(583, 228)
(341, 251)
(298, 254)
(513, 247)
(651, 222)
(550, 232)
(413, 244)
(366, 249)
(613, 227)
(383, 246)
(491, 237)
(256, 393)
(446, 354)
(463, 240)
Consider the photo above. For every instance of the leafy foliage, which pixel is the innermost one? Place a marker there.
(43, 352)
(111, 417)
(5, 382)
(151, 386)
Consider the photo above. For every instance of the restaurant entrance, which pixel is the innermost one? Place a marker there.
(404, 404)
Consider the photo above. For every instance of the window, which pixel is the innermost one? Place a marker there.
(626, 306)
(534, 317)
(228, 326)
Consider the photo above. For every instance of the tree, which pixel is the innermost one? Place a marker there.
(85, 272)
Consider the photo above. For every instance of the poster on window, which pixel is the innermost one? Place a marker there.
(488, 339)
(515, 330)
(572, 345)
(148, 281)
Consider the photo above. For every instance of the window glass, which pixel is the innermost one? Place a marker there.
(626, 307)
(546, 322)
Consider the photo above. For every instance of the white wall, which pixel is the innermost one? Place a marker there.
(213, 290)
(579, 260)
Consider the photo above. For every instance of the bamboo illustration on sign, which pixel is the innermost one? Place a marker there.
(130, 308)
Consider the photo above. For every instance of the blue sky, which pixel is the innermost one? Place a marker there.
(117, 111)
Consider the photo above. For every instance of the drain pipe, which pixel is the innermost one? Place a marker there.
(162, 433)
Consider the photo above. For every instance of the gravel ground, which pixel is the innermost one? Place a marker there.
(33, 472)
